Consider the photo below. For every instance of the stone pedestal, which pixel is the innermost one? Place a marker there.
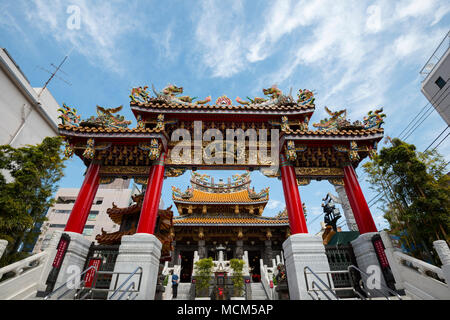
(367, 261)
(201, 249)
(304, 250)
(267, 252)
(74, 260)
(239, 253)
(3, 244)
(139, 250)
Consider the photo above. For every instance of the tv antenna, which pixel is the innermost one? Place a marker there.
(53, 74)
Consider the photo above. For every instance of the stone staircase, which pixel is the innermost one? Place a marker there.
(183, 291)
(258, 292)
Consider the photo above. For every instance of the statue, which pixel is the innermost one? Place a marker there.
(332, 214)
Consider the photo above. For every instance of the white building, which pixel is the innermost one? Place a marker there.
(98, 219)
(28, 114)
(436, 84)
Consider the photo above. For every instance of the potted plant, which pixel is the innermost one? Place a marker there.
(237, 265)
(203, 272)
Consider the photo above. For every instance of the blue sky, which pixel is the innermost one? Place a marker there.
(357, 55)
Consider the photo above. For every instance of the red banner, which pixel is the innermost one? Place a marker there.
(89, 277)
(61, 251)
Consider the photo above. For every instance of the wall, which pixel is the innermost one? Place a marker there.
(121, 197)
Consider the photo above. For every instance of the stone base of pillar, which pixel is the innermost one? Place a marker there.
(304, 250)
(74, 261)
(367, 261)
(139, 250)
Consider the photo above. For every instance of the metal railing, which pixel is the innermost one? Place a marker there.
(126, 280)
(65, 284)
(436, 57)
(91, 291)
(367, 291)
(315, 284)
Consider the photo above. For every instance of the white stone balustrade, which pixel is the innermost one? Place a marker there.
(415, 276)
(27, 274)
(3, 244)
(20, 266)
(267, 274)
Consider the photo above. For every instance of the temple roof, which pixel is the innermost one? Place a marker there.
(116, 214)
(337, 133)
(169, 100)
(215, 198)
(229, 221)
(161, 106)
(205, 191)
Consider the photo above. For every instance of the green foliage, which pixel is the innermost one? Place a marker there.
(24, 201)
(203, 273)
(416, 193)
(238, 280)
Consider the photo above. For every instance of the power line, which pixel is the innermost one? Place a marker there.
(441, 141)
(437, 138)
(432, 108)
(411, 130)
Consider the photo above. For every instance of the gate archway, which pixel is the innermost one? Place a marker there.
(174, 134)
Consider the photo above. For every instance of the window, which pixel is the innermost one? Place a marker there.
(440, 82)
(57, 225)
(98, 201)
(93, 215)
(65, 200)
(63, 211)
(88, 230)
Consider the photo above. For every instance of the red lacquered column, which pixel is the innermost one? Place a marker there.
(150, 205)
(294, 205)
(360, 209)
(83, 204)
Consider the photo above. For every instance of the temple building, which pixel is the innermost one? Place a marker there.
(225, 214)
(211, 215)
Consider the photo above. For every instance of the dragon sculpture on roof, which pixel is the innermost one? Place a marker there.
(273, 94)
(339, 121)
(106, 119)
(171, 94)
(69, 116)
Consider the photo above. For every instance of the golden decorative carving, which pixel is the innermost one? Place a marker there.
(141, 180)
(125, 170)
(106, 180)
(302, 171)
(303, 181)
(336, 181)
(90, 149)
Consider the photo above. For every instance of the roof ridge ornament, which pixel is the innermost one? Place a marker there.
(339, 121)
(69, 116)
(106, 119)
(275, 97)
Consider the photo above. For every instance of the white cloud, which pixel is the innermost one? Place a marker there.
(275, 204)
(101, 28)
(219, 39)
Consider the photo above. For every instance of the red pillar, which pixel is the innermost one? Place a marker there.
(150, 205)
(83, 204)
(294, 205)
(357, 201)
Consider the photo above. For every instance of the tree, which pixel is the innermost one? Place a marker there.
(416, 193)
(25, 196)
(237, 265)
(203, 273)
